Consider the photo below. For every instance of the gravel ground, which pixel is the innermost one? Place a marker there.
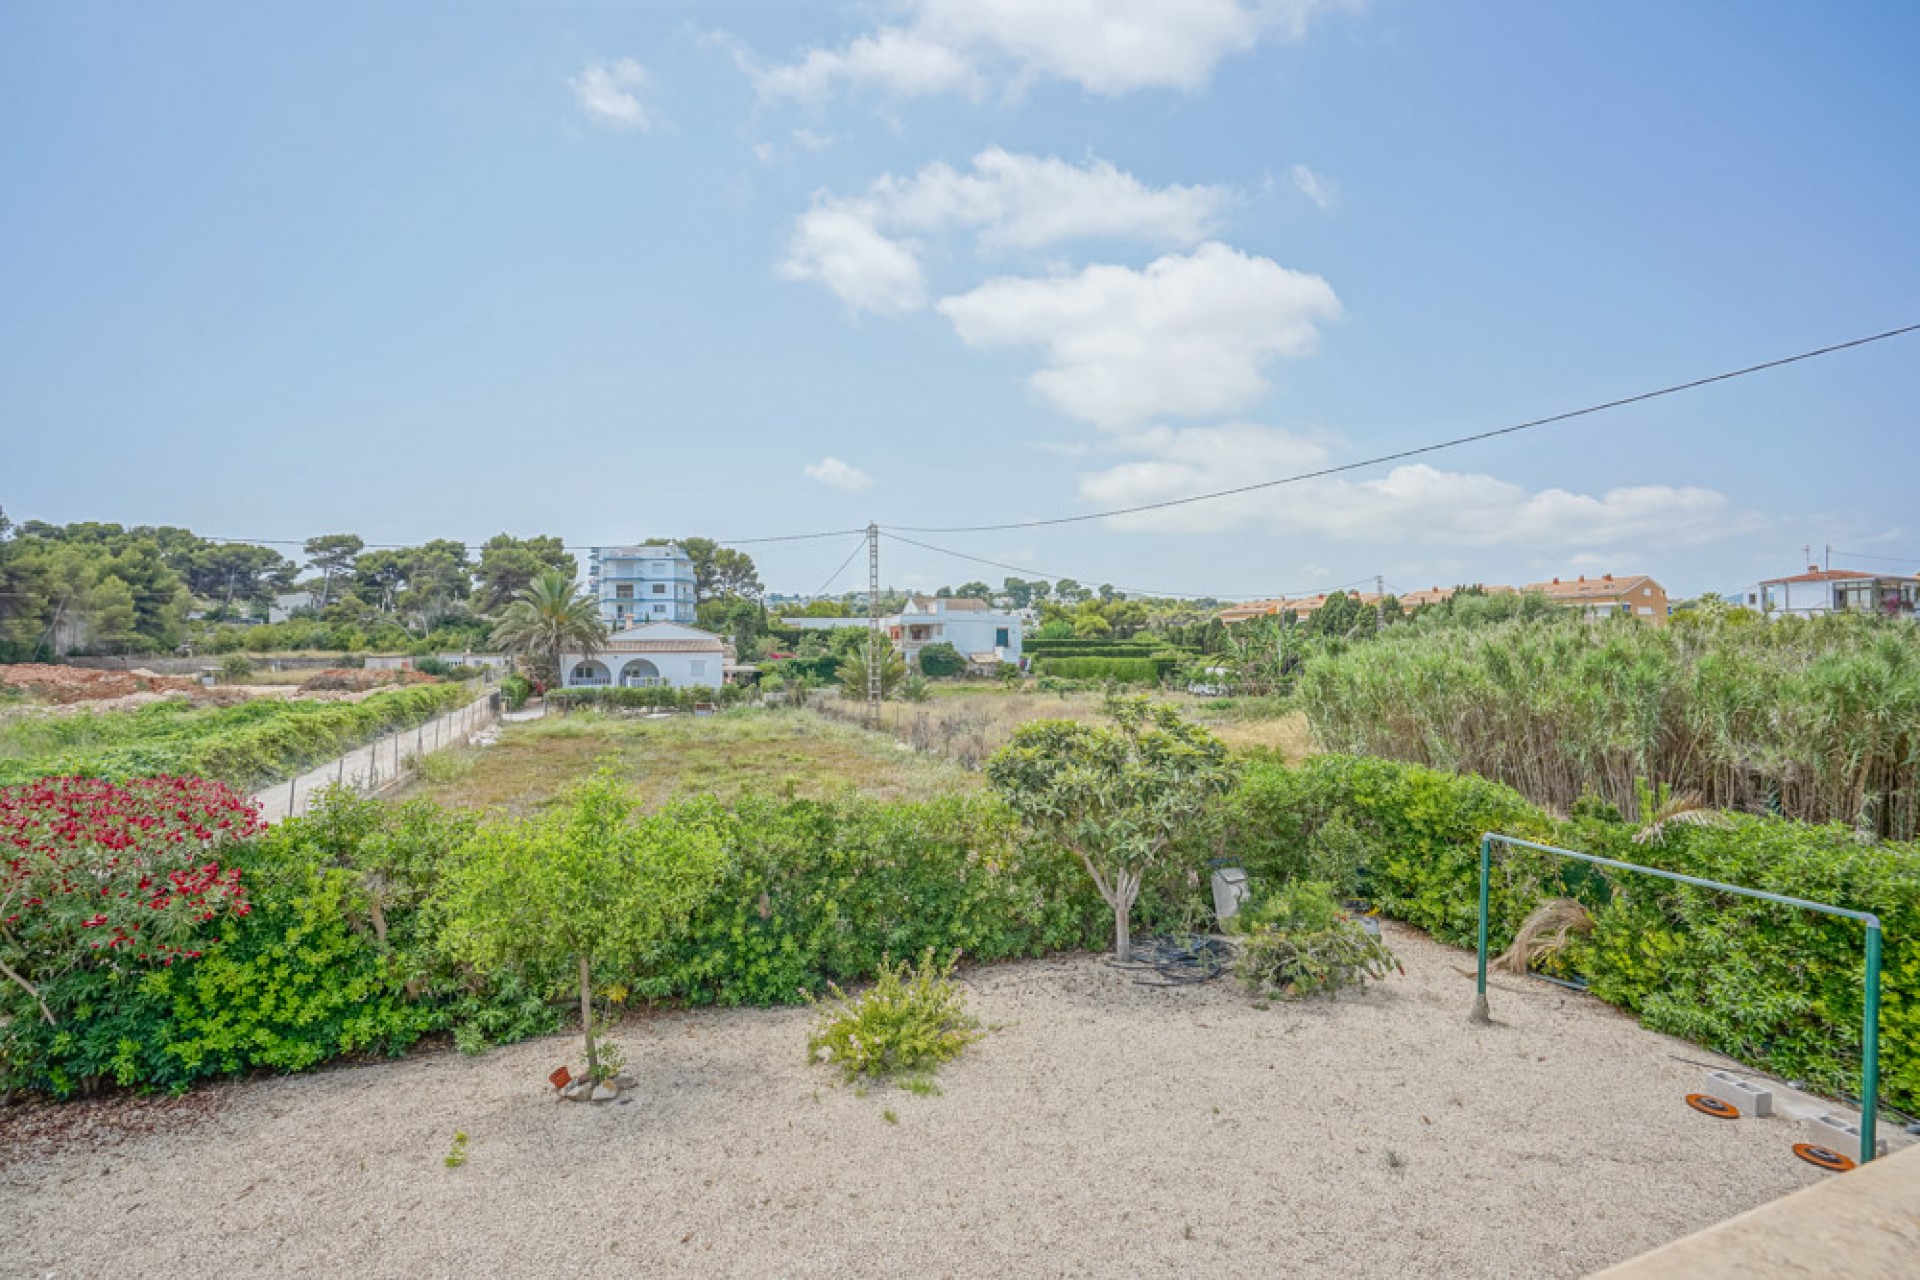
(1100, 1127)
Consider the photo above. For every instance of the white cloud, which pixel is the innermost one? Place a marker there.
(1187, 335)
(1105, 46)
(840, 475)
(1412, 503)
(607, 92)
(1006, 200)
(1313, 186)
(898, 62)
(842, 250)
(808, 140)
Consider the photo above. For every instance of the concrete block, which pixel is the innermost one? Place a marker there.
(1844, 1134)
(1751, 1096)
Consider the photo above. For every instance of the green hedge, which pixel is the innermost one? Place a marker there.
(821, 891)
(302, 978)
(653, 698)
(1124, 670)
(1772, 986)
(244, 746)
(815, 892)
(1083, 648)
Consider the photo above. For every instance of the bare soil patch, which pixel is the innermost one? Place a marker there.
(1101, 1127)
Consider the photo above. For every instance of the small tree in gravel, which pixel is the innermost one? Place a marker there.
(1116, 796)
(590, 885)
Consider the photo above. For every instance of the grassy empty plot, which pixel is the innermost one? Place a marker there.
(796, 753)
(969, 727)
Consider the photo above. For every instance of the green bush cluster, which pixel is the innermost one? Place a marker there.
(1079, 647)
(337, 957)
(904, 1027)
(1296, 941)
(1773, 986)
(938, 661)
(650, 698)
(345, 951)
(244, 746)
(824, 891)
(1124, 670)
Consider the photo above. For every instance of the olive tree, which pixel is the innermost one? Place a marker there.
(1116, 796)
(589, 885)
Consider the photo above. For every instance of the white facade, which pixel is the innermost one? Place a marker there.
(652, 582)
(979, 631)
(974, 627)
(1822, 591)
(660, 653)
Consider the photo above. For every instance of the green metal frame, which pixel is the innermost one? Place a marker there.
(1870, 1030)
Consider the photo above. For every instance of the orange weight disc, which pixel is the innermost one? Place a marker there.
(1823, 1157)
(1707, 1104)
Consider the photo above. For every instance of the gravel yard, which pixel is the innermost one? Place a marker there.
(1100, 1128)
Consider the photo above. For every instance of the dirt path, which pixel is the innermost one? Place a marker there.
(376, 765)
(1101, 1128)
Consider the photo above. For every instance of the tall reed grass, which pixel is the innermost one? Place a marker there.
(1816, 719)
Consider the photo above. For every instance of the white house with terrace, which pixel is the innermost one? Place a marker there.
(980, 632)
(657, 654)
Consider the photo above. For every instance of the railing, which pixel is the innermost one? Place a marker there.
(1870, 1018)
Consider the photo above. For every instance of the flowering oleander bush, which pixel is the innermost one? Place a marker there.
(99, 876)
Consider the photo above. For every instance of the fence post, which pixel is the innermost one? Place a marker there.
(293, 784)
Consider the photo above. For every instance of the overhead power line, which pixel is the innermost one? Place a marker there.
(833, 577)
(1454, 443)
(407, 546)
(1132, 591)
(1913, 560)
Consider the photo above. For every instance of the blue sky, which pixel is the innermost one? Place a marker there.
(610, 270)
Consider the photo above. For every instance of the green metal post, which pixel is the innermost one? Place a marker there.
(1480, 1016)
(1870, 1050)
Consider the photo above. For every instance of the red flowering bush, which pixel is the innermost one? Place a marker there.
(97, 873)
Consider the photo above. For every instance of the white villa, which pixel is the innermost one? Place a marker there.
(658, 653)
(648, 583)
(1822, 591)
(980, 632)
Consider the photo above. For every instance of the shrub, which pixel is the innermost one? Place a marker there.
(915, 689)
(940, 660)
(903, 1027)
(824, 891)
(1770, 985)
(236, 666)
(515, 690)
(104, 881)
(243, 746)
(1124, 670)
(334, 956)
(1297, 942)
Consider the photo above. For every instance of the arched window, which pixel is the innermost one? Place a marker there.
(640, 674)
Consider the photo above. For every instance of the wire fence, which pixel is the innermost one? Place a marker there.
(380, 764)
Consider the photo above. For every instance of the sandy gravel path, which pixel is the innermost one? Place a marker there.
(1103, 1128)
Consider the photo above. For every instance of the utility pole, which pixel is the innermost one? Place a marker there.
(1379, 602)
(875, 687)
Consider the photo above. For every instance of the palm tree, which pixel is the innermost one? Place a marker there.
(547, 619)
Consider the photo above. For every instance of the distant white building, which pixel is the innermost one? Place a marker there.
(659, 653)
(652, 582)
(980, 632)
(1823, 591)
(287, 604)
